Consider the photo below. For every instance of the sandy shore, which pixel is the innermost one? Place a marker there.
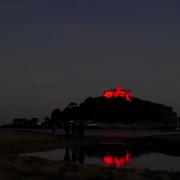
(14, 167)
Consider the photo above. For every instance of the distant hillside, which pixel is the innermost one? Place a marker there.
(108, 111)
(117, 109)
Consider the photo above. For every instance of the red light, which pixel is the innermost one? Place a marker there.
(108, 160)
(108, 94)
(127, 94)
(118, 161)
(128, 157)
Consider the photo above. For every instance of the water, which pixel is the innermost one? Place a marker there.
(115, 155)
(113, 132)
(157, 161)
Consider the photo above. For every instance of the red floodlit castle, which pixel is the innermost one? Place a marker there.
(127, 94)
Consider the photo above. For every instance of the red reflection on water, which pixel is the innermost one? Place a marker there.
(127, 94)
(108, 160)
(118, 161)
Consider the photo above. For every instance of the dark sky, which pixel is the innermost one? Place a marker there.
(56, 52)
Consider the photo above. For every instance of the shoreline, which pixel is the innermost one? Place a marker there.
(36, 168)
(27, 141)
(14, 143)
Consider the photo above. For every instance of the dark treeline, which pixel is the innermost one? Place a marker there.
(102, 110)
(23, 122)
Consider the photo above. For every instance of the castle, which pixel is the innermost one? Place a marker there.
(127, 94)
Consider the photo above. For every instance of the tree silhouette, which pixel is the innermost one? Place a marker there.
(33, 122)
(72, 105)
(56, 117)
(107, 110)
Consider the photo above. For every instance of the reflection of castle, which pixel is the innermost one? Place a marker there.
(118, 161)
(127, 94)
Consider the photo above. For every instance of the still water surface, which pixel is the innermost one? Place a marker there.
(118, 155)
(113, 132)
(119, 159)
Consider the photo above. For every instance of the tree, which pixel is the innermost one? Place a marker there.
(72, 105)
(33, 122)
(19, 122)
(56, 117)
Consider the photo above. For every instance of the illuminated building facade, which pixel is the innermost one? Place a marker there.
(127, 94)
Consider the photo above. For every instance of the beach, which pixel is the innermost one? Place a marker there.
(16, 167)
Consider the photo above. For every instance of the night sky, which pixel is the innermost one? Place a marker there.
(56, 52)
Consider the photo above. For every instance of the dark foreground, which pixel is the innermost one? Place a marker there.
(27, 168)
(13, 166)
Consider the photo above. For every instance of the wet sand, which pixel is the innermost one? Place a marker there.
(17, 167)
